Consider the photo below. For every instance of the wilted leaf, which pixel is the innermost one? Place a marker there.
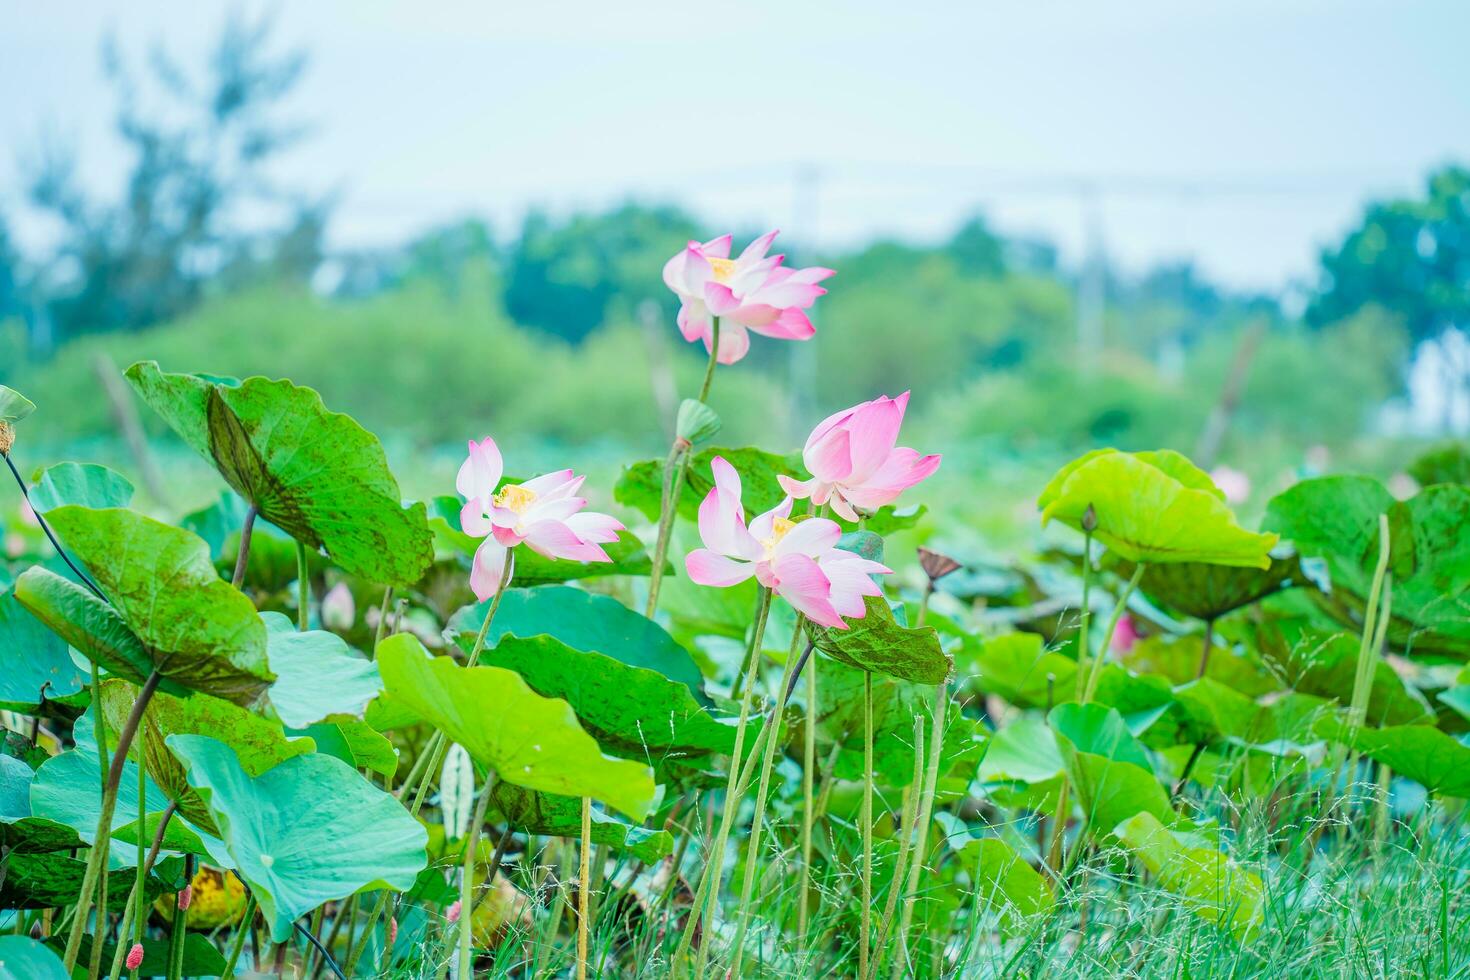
(879, 644)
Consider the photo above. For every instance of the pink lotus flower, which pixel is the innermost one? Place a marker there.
(135, 956)
(753, 292)
(545, 514)
(853, 461)
(797, 560)
(1125, 634)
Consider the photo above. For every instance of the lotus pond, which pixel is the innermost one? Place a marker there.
(312, 730)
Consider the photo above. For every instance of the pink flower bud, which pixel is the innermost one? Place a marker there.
(185, 897)
(452, 915)
(135, 956)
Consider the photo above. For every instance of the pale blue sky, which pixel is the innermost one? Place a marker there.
(1242, 134)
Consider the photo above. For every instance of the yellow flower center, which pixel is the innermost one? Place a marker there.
(780, 527)
(723, 269)
(515, 497)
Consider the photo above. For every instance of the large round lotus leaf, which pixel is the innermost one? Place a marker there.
(531, 812)
(633, 712)
(1152, 507)
(13, 405)
(21, 832)
(1207, 591)
(1211, 885)
(1449, 463)
(34, 662)
(196, 630)
(1337, 519)
(308, 831)
(315, 474)
(1109, 769)
(585, 621)
(1017, 667)
(628, 555)
(258, 743)
(878, 643)
(317, 674)
(44, 881)
(526, 739)
(1003, 880)
(1437, 761)
(23, 958)
(86, 484)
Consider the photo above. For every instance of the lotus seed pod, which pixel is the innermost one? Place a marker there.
(697, 421)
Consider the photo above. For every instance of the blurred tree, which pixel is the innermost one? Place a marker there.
(1408, 256)
(198, 182)
(561, 277)
(976, 250)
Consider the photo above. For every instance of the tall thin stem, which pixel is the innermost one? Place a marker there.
(926, 816)
(50, 535)
(242, 558)
(1084, 647)
(133, 916)
(239, 943)
(467, 879)
(867, 825)
(1367, 652)
(1205, 648)
(808, 794)
(97, 858)
(1094, 671)
(707, 893)
(584, 886)
(772, 735)
(909, 816)
(303, 588)
(677, 462)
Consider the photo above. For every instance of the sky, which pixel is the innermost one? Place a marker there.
(1243, 136)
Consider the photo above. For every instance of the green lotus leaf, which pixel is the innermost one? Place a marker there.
(1437, 761)
(1109, 769)
(628, 555)
(1145, 702)
(65, 791)
(1146, 513)
(317, 674)
(878, 643)
(307, 831)
(1337, 519)
(1449, 463)
(585, 621)
(527, 739)
(196, 630)
(1212, 712)
(1324, 665)
(1023, 765)
(1016, 667)
(1207, 591)
(315, 474)
(24, 958)
(21, 832)
(34, 662)
(86, 484)
(42, 881)
(531, 812)
(13, 405)
(1177, 659)
(354, 742)
(1211, 885)
(1002, 879)
(258, 743)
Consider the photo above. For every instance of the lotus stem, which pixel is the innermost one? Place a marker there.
(1084, 648)
(178, 932)
(97, 858)
(676, 470)
(584, 886)
(707, 894)
(303, 588)
(242, 558)
(911, 795)
(773, 738)
(239, 943)
(808, 814)
(51, 535)
(866, 819)
(1367, 644)
(133, 914)
(383, 617)
(1207, 645)
(467, 880)
(926, 816)
(1094, 671)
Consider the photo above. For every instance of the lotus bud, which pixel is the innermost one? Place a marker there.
(697, 422)
(135, 956)
(339, 611)
(936, 565)
(456, 791)
(1089, 519)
